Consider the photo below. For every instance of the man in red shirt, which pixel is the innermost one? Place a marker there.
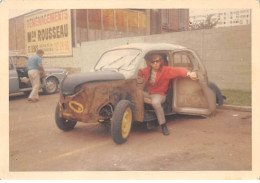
(157, 78)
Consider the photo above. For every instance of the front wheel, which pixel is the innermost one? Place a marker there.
(51, 85)
(121, 122)
(62, 123)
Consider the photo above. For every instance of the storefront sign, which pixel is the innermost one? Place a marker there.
(49, 30)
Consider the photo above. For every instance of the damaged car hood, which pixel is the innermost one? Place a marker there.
(70, 82)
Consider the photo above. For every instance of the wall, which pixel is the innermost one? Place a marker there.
(17, 34)
(226, 53)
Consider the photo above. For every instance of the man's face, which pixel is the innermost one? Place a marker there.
(156, 63)
(41, 54)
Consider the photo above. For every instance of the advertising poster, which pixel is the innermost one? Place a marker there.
(49, 30)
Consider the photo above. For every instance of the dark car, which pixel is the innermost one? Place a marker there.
(112, 92)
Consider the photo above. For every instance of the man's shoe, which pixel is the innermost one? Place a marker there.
(165, 130)
(35, 100)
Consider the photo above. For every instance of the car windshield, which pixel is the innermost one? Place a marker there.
(122, 59)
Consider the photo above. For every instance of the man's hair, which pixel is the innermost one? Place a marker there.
(151, 56)
(155, 56)
(40, 52)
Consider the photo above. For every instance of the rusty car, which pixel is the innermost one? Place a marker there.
(112, 93)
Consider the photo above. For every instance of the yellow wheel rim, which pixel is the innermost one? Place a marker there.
(126, 122)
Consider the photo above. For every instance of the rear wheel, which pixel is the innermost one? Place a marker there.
(121, 122)
(51, 85)
(62, 123)
(219, 97)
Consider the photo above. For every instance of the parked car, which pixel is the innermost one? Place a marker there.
(19, 80)
(111, 93)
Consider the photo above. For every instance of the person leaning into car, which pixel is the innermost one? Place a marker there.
(35, 71)
(157, 78)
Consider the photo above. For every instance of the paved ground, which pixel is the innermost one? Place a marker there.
(36, 144)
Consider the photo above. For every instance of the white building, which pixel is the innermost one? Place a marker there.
(227, 17)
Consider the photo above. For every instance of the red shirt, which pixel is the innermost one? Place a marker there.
(162, 79)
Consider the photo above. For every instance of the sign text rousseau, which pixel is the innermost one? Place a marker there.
(49, 30)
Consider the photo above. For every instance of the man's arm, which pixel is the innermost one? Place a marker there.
(42, 71)
(181, 72)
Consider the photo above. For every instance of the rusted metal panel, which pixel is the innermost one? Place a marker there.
(17, 35)
(82, 29)
(21, 32)
(94, 18)
(12, 35)
(132, 21)
(173, 19)
(121, 20)
(155, 21)
(85, 105)
(108, 19)
(142, 21)
(186, 16)
(178, 20)
(81, 16)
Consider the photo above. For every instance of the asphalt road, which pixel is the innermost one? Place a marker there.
(217, 143)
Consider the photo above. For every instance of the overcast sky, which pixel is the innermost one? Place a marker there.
(14, 13)
(17, 12)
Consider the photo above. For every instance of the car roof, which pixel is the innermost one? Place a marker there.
(146, 47)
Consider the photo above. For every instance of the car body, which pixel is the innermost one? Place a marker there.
(112, 93)
(19, 80)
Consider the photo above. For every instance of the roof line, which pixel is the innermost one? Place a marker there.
(25, 14)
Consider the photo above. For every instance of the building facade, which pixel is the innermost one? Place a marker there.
(226, 18)
(58, 31)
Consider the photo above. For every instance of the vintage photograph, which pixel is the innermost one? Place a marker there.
(129, 91)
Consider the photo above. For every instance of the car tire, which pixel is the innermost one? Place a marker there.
(121, 122)
(62, 123)
(51, 86)
(219, 97)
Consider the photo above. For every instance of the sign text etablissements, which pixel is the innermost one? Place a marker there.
(49, 30)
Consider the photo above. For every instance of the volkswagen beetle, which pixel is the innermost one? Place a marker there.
(111, 93)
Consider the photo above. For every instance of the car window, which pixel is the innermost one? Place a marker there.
(19, 61)
(182, 59)
(11, 67)
(122, 59)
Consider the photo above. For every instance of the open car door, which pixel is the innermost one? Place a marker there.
(191, 97)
